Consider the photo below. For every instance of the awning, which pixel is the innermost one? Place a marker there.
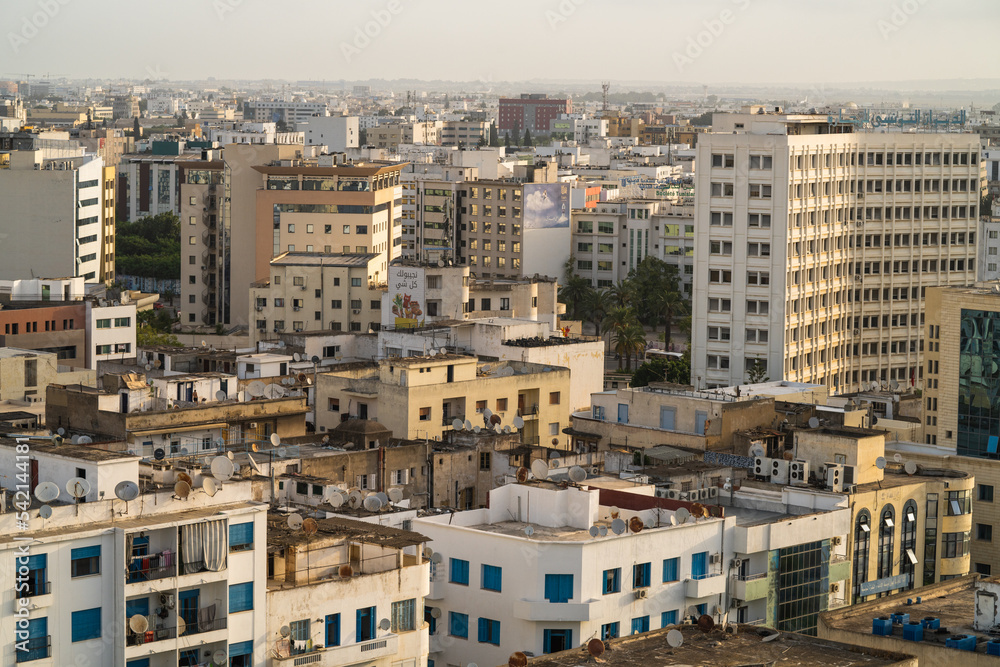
(181, 428)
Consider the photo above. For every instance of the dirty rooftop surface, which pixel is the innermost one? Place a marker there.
(720, 649)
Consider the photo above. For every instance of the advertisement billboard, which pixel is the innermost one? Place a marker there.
(406, 295)
(546, 205)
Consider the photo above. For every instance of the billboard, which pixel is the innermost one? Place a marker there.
(406, 294)
(546, 205)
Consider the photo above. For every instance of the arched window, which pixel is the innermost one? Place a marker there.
(862, 540)
(908, 542)
(886, 533)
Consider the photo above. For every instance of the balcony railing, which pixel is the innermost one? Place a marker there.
(36, 588)
(152, 567)
(751, 577)
(37, 648)
(204, 624)
(154, 634)
(528, 411)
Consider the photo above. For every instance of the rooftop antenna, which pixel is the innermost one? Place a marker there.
(605, 86)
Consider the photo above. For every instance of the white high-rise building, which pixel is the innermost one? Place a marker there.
(815, 242)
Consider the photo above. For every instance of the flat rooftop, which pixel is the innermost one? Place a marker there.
(722, 649)
(279, 534)
(323, 259)
(69, 450)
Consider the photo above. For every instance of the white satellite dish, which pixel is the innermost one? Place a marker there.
(354, 500)
(477, 429)
(47, 491)
(210, 486)
(78, 487)
(61, 431)
(673, 520)
(618, 526)
(910, 468)
(220, 395)
(436, 612)
(275, 440)
(518, 422)
(372, 503)
(487, 413)
(222, 468)
(468, 425)
(295, 521)
(253, 464)
(241, 397)
(457, 424)
(506, 429)
(383, 498)
(84, 440)
(813, 422)
(256, 388)
(758, 450)
(529, 530)
(675, 638)
(897, 457)
(127, 490)
(297, 357)
(384, 624)
(219, 656)
(284, 631)
(894, 384)
(395, 495)
(594, 531)
(682, 514)
(335, 500)
(880, 462)
(182, 489)
(138, 624)
(45, 511)
(577, 474)
(148, 367)
(539, 469)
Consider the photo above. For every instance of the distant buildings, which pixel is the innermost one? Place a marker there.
(530, 111)
(337, 133)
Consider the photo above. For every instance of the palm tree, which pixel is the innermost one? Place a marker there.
(670, 304)
(617, 318)
(573, 293)
(621, 293)
(629, 340)
(595, 306)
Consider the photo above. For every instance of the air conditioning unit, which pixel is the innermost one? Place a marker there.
(296, 307)
(736, 602)
(761, 466)
(798, 472)
(835, 477)
(836, 540)
(252, 425)
(713, 492)
(641, 594)
(834, 588)
(736, 563)
(673, 494)
(685, 495)
(356, 312)
(779, 471)
(716, 559)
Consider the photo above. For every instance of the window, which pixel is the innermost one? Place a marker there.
(558, 587)
(86, 624)
(333, 405)
(85, 561)
(862, 538)
(332, 630)
(954, 545)
(365, 624)
(720, 247)
(553, 398)
(355, 282)
(671, 569)
(425, 414)
(241, 536)
(640, 624)
(37, 580)
(986, 493)
(721, 219)
(758, 249)
(241, 597)
(492, 578)
(641, 575)
(609, 631)
(612, 580)
(762, 220)
(458, 624)
(668, 618)
(959, 502)
(489, 631)
(300, 630)
(459, 571)
(984, 531)
(404, 615)
(104, 324)
(480, 406)
(724, 160)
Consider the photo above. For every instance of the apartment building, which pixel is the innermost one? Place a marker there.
(59, 210)
(204, 296)
(420, 396)
(314, 290)
(430, 210)
(465, 133)
(611, 238)
(814, 245)
(332, 589)
(531, 111)
(988, 259)
(124, 106)
(155, 580)
(25, 373)
(272, 111)
(337, 133)
(152, 183)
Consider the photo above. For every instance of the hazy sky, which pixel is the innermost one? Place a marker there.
(807, 42)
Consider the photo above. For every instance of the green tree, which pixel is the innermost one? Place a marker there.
(481, 142)
(527, 138)
(574, 289)
(506, 140)
(669, 305)
(629, 340)
(986, 206)
(616, 319)
(136, 130)
(621, 293)
(494, 137)
(150, 246)
(757, 372)
(595, 307)
(662, 369)
(150, 338)
(362, 138)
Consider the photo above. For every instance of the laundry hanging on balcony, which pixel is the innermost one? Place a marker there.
(204, 546)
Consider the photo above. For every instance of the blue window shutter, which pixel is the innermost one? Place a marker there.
(551, 587)
(567, 587)
(140, 606)
(241, 533)
(37, 561)
(139, 662)
(241, 597)
(484, 633)
(86, 624)
(241, 648)
(86, 552)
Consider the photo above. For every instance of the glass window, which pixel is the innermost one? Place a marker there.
(862, 540)
(609, 631)
(668, 618)
(986, 493)
(640, 624)
(85, 561)
(641, 575)
(612, 580)
(404, 615)
(489, 631)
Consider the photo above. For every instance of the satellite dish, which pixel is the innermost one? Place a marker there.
(706, 623)
(354, 500)
(595, 647)
(47, 491)
(220, 395)
(335, 500)
(487, 413)
(539, 469)
(603, 531)
(673, 520)
(182, 489)
(437, 558)
(210, 486)
(897, 457)
(517, 659)
(138, 624)
(682, 515)
(148, 367)
(577, 474)
(506, 429)
(315, 359)
(84, 440)
(256, 388)
(518, 422)
(675, 638)
(436, 612)
(284, 631)
(75, 439)
(635, 524)
(78, 487)
(894, 384)
(219, 657)
(495, 419)
(184, 451)
(222, 468)
(468, 425)
(295, 521)
(910, 468)
(383, 498)
(529, 531)
(758, 450)
(159, 453)
(282, 452)
(310, 526)
(181, 626)
(254, 466)
(45, 511)
(476, 429)
(384, 624)
(297, 357)
(617, 526)
(204, 344)
(184, 477)
(880, 463)
(241, 397)
(275, 440)
(61, 431)
(157, 363)
(594, 531)
(614, 512)
(457, 424)
(127, 490)
(372, 503)
(522, 474)
(813, 422)
(395, 495)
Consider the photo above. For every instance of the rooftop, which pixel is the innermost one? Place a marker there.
(69, 450)
(723, 649)
(323, 259)
(279, 534)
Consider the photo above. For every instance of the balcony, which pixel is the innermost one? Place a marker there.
(333, 656)
(37, 648)
(155, 634)
(557, 612)
(151, 568)
(39, 595)
(840, 568)
(528, 412)
(705, 585)
(751, 587)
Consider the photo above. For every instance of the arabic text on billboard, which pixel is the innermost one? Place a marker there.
(546, 205)
(406, 285)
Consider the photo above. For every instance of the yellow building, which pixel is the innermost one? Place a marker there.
(619, 126)
(107, 256)
(420, 397)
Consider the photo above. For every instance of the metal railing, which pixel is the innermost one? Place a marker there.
(36, 648)
(200, 625)
(152, 567)
(154, 634)
(751, 577)
(36, 588)
(528, 411)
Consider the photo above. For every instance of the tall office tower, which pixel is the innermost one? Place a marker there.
(814, 244)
